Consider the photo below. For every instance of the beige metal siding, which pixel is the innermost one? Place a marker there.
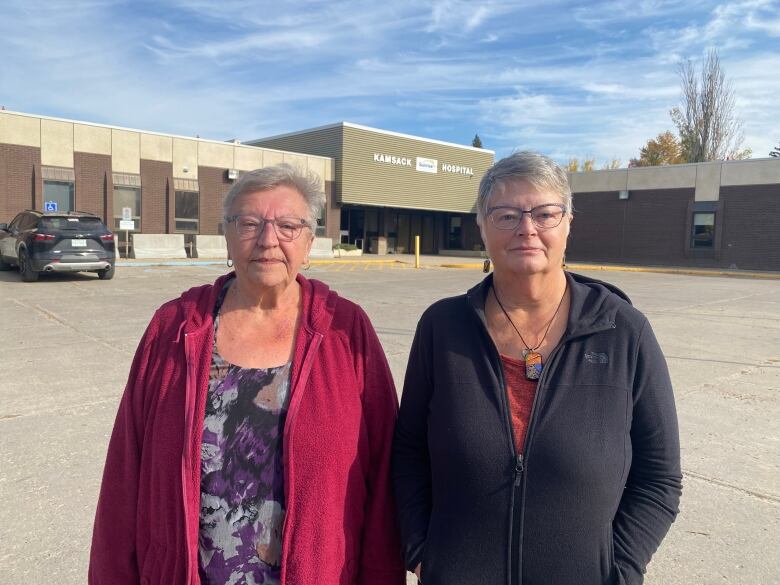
(366, 181)
(323, 142)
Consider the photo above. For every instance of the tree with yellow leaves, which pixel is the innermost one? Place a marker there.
(664, 149)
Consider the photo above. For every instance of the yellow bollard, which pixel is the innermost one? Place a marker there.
(416, 251)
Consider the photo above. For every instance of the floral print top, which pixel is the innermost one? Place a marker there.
(242, 483)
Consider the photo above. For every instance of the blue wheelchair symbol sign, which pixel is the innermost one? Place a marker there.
(50, 206)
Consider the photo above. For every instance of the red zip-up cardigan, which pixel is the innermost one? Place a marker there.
(340, 526)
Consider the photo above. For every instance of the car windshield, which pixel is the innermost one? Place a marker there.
(71, 223)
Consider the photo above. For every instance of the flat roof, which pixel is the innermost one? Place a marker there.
(370, 129)
(230, 142)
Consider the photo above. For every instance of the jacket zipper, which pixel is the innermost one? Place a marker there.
(520, 475)
(518, 470)
(520, 459)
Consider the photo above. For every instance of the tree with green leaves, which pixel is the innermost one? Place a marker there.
(706, 119)
(775, 152)
(477, 142)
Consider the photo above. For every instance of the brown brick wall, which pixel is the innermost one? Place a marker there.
(214, 185)
(20, 180)
(648, 228)
(751, 235)
(93, 184)
(597, 229)
(655, 226)
(156, 196)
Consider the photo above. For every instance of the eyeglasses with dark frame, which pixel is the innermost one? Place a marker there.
(545, 216)
(250, 227)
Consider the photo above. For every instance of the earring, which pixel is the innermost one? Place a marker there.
(229, 263)
(486, 266)
(306, 264)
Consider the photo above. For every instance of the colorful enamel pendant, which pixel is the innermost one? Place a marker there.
(533, 365)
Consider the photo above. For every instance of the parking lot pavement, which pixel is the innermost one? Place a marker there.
(69, 340)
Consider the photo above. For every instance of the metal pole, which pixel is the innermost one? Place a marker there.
(416, 251)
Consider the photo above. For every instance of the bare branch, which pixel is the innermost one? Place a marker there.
(706, 122)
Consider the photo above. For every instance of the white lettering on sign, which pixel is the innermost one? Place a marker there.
(457, 169)
(426, 165)
(401, 161)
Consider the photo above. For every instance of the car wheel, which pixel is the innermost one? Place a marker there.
(25, 270)
(106, 274)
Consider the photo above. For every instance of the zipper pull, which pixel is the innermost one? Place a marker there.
(518, 470)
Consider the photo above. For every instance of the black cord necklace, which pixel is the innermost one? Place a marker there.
(533, 359)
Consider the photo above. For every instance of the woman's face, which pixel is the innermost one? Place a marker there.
(266, 261)
(527, 249)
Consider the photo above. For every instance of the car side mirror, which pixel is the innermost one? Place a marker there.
(4, 227)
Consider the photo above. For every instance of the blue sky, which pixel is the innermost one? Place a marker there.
(567, 79)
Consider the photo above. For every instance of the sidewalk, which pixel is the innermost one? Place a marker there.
(464, 263)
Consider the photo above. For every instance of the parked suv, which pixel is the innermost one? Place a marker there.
(57, 242)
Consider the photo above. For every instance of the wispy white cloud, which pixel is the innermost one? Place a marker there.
(550, 75)
(447, 15)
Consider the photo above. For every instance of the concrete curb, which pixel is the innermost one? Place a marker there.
(658, 269)
(124, 263)
(675, 270)
(429, 263)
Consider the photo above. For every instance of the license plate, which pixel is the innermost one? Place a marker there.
(78, 243)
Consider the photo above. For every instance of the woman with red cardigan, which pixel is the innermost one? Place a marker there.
(252, 443)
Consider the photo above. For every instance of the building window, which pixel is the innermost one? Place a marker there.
(187, 211)
(703, 230)
(59, 192)
(127, 197)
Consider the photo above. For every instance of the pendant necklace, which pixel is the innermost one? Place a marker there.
(533, 359)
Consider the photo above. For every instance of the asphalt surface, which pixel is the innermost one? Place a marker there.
(68, 341)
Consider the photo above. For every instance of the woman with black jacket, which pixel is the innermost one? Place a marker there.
(537, 438)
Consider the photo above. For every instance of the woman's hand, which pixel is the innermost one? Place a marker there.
(417, 571)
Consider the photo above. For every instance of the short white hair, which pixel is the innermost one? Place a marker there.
(539, 170)
(305, 182)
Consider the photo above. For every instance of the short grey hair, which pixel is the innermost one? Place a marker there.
(306, 183)
(539, 170)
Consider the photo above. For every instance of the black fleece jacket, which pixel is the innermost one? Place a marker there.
(598, 484)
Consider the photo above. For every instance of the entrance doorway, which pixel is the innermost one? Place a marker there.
(353, 225)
